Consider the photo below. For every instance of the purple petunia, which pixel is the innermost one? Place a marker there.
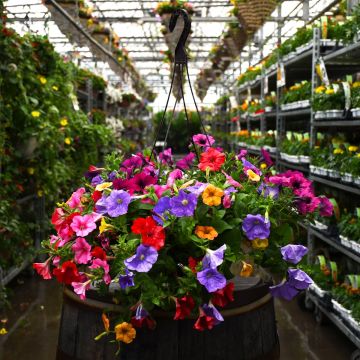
(256, 227)
(249, 166)
(214, 258)
(100, 205)
(197, 189)
(183, 205)
(166, 157)
(186, 162)
(97, 180)
(143, 260)
(211, 279)
(126, 280)
(269, 191)
(297, 280)
(161, 207)
(117, 203)
(293, 253)
(241, 154)
(203, 140)
(212, 311)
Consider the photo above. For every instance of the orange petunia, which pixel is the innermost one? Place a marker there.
(106, 322)
(125, 332)
(206, 232)
(246, 270)
(212, 195)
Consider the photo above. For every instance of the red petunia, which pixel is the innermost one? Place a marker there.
(151, 233)
(212, 159)
(96, 195)
(193, 262)
(223, 296)
(67, 273)
(143, 322)
(99, 253)
(61, 222)
(204, 322)
(184, 307)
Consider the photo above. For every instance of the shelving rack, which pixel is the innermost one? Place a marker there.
(339, 61)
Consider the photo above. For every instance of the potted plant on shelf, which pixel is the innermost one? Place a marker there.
(355, 99)
(349, 228)
(270, 102)
(298, 96)
(329, 102)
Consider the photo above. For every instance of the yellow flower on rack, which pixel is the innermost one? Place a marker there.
(35, 114)
(356, 84)
(55, 88)
(338, 151)
(353, 148)
(3, 331)
(67, 141)
(320, 89)
(330, 91)
(63, 121)
(358, 155)
(90, 22)
(42, 79)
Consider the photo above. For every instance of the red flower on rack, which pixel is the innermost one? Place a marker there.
(211, 159)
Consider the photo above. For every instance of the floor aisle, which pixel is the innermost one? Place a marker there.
(37, 316)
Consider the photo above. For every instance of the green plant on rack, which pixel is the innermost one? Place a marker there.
(83, 75)
(328, 98)
(355, 95)
(349, 224)
(351, 162)
(296, 144)
(297, 92)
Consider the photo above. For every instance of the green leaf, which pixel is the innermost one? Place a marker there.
(220, 225)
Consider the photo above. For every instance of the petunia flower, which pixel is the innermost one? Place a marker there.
(184, 307)
(174, 175)
(269, 191)
(252, 175)
(83, 225)
(204, 322)
(102, 264)
(211, 279)
(241, 154)
(97, 180)
(210, 310)
(142, 318)
(126, 280)
(203, 140)
(143, 260)
(161, 208)
(67, 273)
(43, 269)
(139, 182)
(293, 253)
(260, 244)
(197, 189)
(249, 166)
(125, 332)
(211, 159)
(246, 270)
(75, 199)
(98, 253)
(166, 157)
(307, 203)
(223, 296)
(80, 288)
(151, 234)
(256, 227)
(326, 207)
(231, 181)
(117, 203)
(82, 250)
(212, 195)
(104, 227)
(100, 205)
(183, 205)
(214, 258)
(103, 186)
(186, 162)
(206, 232)
(266, 157)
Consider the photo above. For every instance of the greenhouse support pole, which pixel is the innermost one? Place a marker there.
(262, 83)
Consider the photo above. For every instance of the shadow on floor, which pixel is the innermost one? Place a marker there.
(33, 322)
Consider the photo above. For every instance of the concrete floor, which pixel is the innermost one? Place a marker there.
(35, 313)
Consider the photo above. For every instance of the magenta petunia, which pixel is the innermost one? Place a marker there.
(82, 250)
(203, 140)
(166, 156)
(186, 162)
(326, 207)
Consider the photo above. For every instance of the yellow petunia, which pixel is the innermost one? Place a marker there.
(206, 232)
(320, 89)
(43, 79)
(212, 195)
(356, 84)
(260, 244)
(353, 148)
(125, 332)
(252, 175)
(35, 114)
(263, 166)
(67, 141)
(246, 270)
(103, 186)
(338, 151)
(104, 226)
(64, 122)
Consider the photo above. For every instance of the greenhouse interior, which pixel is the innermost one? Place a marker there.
(180, 180)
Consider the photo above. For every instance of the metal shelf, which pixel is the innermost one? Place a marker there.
(299, 167)
(336, 319)
(296, 112)
(337, 185)
(342, 56)
(336, 123)
(335, 244)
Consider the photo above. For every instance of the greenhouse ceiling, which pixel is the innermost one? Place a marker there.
(139, 30)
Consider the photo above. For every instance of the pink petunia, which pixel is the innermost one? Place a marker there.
(80, 288)
(98, 263)
(56, 261)
(75, 199)
(43, 269)
(174, 175)
(231, 181)
(227, 201)
(83, 225)
(82, 250)
(203, 140)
